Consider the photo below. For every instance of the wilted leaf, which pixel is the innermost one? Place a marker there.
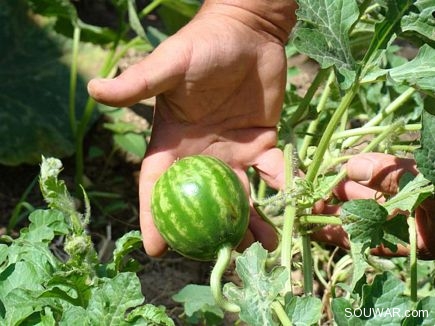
(421, 21)
(260, 288)
(110, 301)
(418, 73)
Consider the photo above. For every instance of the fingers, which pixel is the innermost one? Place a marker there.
(270, 167)
(158, 72)
(153, 166)
(259, 229)
(378, 171)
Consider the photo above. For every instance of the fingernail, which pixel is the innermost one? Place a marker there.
(360, 169)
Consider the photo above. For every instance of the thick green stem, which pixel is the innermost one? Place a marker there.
(86, 118)
(303, 105)
(281, 314)
(147, 10)
(307, 264)
(314, 167)
(363, 131)
(413, 257)
(312, 127)
(73, 80)
(222, 262)
(319, 219)
(289, 217)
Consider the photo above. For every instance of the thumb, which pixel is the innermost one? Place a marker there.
(160, 71)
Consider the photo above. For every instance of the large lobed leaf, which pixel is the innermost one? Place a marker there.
(324, 34)
(421, 21)
(418, 73)
(34, 92)
(37, 287)
(260, 288)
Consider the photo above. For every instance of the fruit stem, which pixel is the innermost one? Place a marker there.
(222, 262)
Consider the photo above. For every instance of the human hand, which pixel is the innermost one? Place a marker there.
(219, 84)
(369, 176)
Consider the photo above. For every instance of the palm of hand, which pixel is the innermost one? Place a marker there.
(220, 94)
(229, 95)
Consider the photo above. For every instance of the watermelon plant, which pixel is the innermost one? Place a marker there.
(366, 97)
(51, 274)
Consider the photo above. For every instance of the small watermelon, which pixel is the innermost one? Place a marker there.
(199, 205)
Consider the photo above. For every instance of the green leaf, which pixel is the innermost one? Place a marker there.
(45, 224)
(177, 13)
(363, 219)
(411, 196)
(26, 275)
(418, 73)
(424, 313)
(134, 21)
(422, 20)
(56, 8)
(113, 298)
(303, 310)
(124, 245)
(425, 155)
(324, 34)
(342, 311)
(74, 315)
(131, 142)
(149, 314)
(198, 299)
(383, 303)
(385, 30)
(260, 288)
(33, 103)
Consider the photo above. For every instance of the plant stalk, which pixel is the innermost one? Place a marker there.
(314, 167)
(319, 219)
(382, 114)
(147, 10)
(289, 217)
(307, 260)
(363, 131)
(413, 257)
(281, 314)
(73, 80)
(222, 262)
(312, 127)
(303, 105)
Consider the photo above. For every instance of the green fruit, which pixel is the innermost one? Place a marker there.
(199, 205)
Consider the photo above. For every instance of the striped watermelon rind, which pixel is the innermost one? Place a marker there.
(199, 205)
